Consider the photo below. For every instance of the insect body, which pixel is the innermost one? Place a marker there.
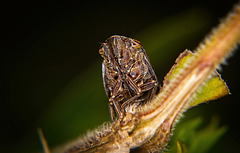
(127, 74)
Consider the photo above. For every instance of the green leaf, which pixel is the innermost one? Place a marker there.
(207, 137)
(188, 139)
(212, 89)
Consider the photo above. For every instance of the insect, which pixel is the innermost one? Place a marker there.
(128, 76)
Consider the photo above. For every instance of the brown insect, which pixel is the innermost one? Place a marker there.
(127, 74)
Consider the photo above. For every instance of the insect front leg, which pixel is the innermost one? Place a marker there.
(153, 86)
(116, 107)
(111, 108)
(130, 100)
(113, 102)
(137, 90)
(149, 85)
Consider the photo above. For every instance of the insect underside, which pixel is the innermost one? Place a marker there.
(127, 74)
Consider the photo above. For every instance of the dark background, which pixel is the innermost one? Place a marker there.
(51, 69)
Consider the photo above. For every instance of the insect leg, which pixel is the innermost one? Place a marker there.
(130, 100)
(137, 90)
(144, 87)
(149, 85)
(116, 106)
(113, 102)
(112, 113)
(153, 86)
(153, 93)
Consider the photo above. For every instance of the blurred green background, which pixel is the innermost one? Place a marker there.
(51, 69)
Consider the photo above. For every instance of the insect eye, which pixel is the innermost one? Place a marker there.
(136, 45)
(101, 51)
